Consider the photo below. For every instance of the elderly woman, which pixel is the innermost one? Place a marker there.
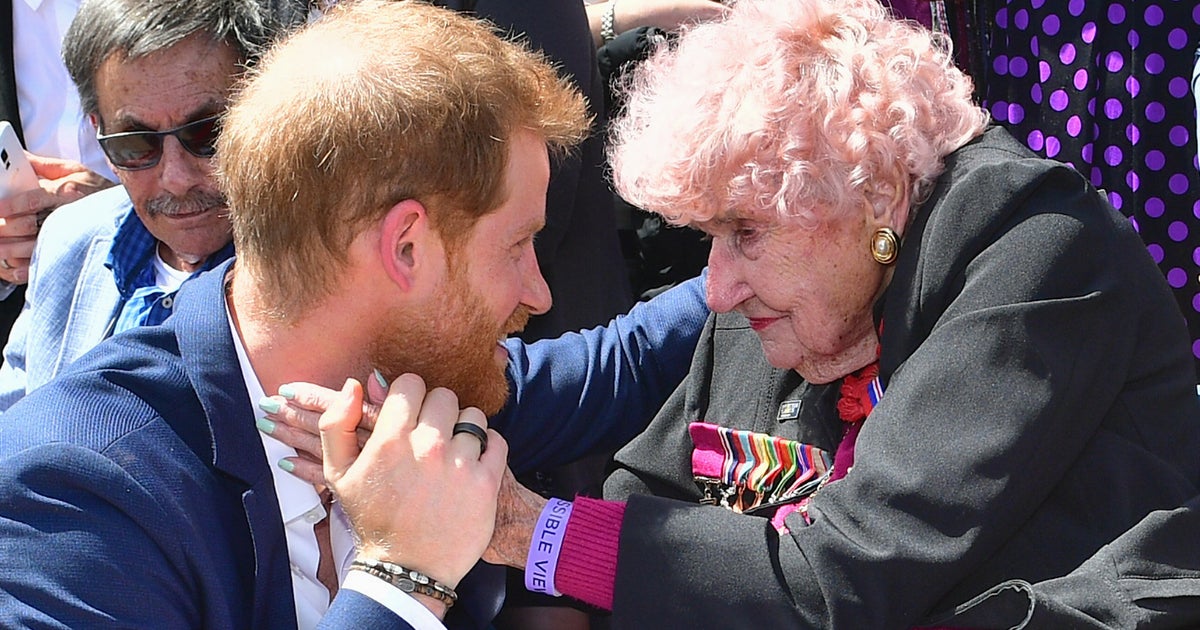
(978, 372)
(1002, 370)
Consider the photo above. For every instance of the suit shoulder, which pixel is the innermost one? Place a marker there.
(993, 183)
(996, 169)
(99, 213)
(121, 386)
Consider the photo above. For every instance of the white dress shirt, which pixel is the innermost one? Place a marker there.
(51, 119)
(300, 507)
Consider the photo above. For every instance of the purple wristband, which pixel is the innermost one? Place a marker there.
(543, 549)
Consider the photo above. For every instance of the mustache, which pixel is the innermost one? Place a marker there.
(194, 202)
(517, 321)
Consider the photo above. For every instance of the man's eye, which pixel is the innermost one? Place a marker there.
(518, 248)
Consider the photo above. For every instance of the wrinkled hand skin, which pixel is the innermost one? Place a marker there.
(517, 512)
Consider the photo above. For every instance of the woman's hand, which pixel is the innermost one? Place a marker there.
(292, 417)
(517, 512)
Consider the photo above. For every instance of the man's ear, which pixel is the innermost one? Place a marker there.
(95, 120)
(405, 235)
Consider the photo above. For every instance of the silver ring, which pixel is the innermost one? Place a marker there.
(474, 429)
(4, 263)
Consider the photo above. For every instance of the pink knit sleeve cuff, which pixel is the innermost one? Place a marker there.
(587, 565)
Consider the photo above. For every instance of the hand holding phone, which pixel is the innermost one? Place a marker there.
(30, 188)
(17, 174)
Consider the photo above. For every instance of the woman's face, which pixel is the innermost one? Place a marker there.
(807, 292)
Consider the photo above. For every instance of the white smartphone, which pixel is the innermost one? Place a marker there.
(17, 174)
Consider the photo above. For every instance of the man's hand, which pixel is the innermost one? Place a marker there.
(517, 512)
(21, 215)
(668, 15)
(416, 494)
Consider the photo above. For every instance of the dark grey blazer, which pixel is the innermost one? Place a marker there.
(1148, 578)
(1040, 401)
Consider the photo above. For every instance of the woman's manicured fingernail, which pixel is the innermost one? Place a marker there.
(269, 405)
(287, 392)
(379, 378)
(287, 465)
(264, 425)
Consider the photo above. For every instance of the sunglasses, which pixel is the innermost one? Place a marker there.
(137, 150)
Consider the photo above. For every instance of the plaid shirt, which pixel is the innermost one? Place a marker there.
(131, 260)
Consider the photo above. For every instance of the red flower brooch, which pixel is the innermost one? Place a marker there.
(855, 402)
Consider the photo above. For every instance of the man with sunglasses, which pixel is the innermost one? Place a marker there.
(154, 79)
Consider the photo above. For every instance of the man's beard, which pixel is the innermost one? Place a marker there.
(194, 202)
(453, 347)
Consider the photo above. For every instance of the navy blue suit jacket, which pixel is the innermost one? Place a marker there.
(134, 488)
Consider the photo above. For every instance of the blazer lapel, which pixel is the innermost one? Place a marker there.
(94, 305)
(210, 360)
(202, 329)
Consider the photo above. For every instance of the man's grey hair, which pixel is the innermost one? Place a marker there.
(137, 28)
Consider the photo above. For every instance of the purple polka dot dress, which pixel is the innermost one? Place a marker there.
(1105, 87)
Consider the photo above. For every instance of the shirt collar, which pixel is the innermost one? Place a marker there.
(296, 496)
(133, 250)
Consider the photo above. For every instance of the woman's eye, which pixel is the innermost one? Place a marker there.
(746, 235)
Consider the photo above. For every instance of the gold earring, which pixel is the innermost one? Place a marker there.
(885, 246)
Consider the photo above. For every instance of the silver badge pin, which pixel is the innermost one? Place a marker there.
(789, 410)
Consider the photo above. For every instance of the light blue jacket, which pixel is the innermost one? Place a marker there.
(71, 300)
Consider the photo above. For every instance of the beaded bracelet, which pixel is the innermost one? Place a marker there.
(407, 580)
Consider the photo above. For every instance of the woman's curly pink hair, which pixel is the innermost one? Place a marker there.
(804, 107)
